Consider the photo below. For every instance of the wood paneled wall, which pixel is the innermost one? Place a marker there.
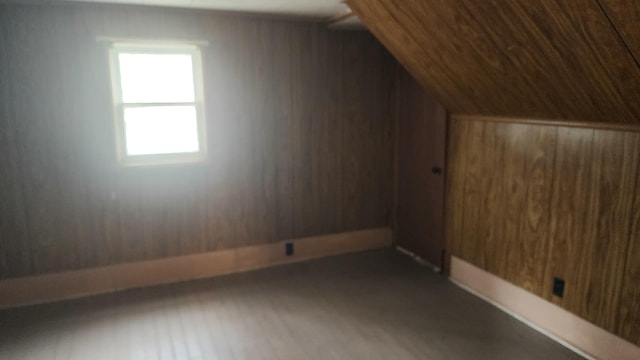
(300, 122)
(533, 202)
(551, 59)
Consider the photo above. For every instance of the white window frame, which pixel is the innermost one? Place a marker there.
(119, 105)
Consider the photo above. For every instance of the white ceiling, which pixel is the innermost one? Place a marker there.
(317, 9)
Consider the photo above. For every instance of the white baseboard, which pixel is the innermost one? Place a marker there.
(553, 321)
(73, 284)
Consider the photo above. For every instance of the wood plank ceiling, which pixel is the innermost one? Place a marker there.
(547, 59)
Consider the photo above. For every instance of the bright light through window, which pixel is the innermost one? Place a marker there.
(156, 78)
(159, 103)
(161, 130)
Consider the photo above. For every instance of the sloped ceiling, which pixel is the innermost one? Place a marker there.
(625, 16)
(548, 59)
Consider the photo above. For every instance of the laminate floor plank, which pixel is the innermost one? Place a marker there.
(283, 332)
(371, 305)
(214, 330)
(172, 308)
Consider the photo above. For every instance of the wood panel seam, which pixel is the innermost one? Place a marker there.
(547, 272)
(11, 112)
(446, 251)
(585, 214)
(396, 150)
(629, 253)
(617, 31)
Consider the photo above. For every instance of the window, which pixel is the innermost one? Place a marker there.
(158, 103)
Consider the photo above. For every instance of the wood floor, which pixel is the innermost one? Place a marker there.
(374, 305)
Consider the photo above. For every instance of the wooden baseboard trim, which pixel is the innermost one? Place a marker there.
(74, 284)
(548, 318)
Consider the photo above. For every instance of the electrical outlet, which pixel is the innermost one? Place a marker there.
(288, 249)
(558, 287)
